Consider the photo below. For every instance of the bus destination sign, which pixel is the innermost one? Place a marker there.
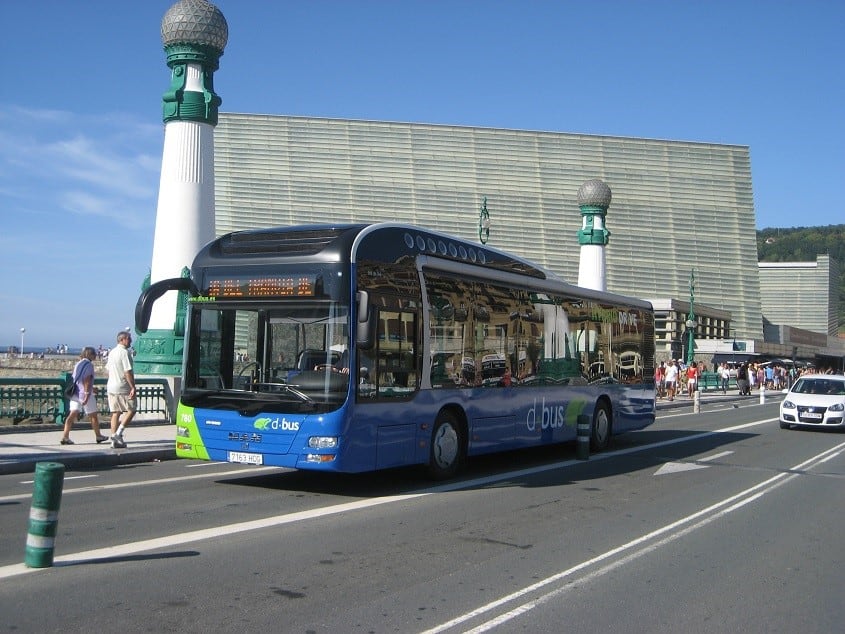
(229, 287)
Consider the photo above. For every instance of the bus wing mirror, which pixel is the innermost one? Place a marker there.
(365, 334)
(144, 307)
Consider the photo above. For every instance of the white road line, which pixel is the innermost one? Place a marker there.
(214, 532)
(134, 485)
(79, 477)
(715, 456)
(217, 532)
(692, 465)
(638, 547)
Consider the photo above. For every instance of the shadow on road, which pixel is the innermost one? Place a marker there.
(525, 467)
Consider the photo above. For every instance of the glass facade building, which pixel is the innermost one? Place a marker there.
(801, 294)
(676, 205)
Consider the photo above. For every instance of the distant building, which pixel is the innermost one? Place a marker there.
(800, 310)
(670, 330)
(801, 294)
(676, 204)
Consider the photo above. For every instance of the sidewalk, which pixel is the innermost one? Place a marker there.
(146, 442)
(715, 396)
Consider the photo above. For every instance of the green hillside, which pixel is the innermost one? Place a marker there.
(803, 244)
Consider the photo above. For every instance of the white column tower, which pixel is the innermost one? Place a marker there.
(194, 34)
(593, 199)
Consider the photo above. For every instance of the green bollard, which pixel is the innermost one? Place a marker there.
(582, 441)
(44, 514)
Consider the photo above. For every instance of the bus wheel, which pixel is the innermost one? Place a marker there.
(447, 447)
(600, 433)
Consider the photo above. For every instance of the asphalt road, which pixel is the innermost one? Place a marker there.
(714, 522)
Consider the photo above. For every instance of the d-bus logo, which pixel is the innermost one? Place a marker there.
(276, 424)
(550, 417)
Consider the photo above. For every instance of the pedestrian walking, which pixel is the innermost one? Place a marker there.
(692, 379)
(659, 379)
(671, 379)
(724, 377)
(121, 388)
(84, 400)
(742, 380)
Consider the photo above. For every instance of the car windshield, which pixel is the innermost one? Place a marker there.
(831, 387)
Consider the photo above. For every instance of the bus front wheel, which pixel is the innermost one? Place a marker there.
(601, 431)
(447, 447)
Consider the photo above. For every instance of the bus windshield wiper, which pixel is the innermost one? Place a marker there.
(286, 387)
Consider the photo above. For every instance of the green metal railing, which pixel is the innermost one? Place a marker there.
(44, 399)
(712, 381)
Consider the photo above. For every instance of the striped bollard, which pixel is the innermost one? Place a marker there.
(44, 514)
(582, 441)
(763, 394)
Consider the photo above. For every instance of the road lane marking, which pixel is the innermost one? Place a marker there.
(79, 477)
(180, 539)
(133, 485)
(677, 467)
(715, 456)
(640, 546)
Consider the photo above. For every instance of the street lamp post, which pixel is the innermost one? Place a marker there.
(23, 330)
(691, 322)
(484, 223)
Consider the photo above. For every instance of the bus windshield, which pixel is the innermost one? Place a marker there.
(286, 356)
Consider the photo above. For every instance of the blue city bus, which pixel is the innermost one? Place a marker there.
(359, 347)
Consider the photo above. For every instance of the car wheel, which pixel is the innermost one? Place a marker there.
(447, 447)
(601, 428)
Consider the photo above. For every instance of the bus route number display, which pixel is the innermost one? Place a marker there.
(261, 286)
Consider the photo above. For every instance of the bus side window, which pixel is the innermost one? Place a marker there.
(396, 364)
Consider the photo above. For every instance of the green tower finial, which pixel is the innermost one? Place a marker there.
(593, 198)
(193, 32)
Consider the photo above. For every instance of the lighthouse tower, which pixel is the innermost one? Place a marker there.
(593, 199)
(194, 34)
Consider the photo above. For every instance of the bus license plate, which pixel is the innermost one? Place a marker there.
(246, 458)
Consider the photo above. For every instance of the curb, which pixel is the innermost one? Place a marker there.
(87, 460)
(23, 428)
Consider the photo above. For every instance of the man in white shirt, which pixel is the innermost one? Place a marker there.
(121, 388)
(671, 379)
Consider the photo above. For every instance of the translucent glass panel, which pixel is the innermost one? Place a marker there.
(676, 205)
(800, 294)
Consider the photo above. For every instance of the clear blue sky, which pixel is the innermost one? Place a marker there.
(81, 133)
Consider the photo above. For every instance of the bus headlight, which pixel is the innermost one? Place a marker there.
(182, 432)
(322, 442)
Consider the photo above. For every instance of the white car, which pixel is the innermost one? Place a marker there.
(815, 400)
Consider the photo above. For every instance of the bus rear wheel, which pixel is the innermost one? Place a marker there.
(447, 447)
(601, 429)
